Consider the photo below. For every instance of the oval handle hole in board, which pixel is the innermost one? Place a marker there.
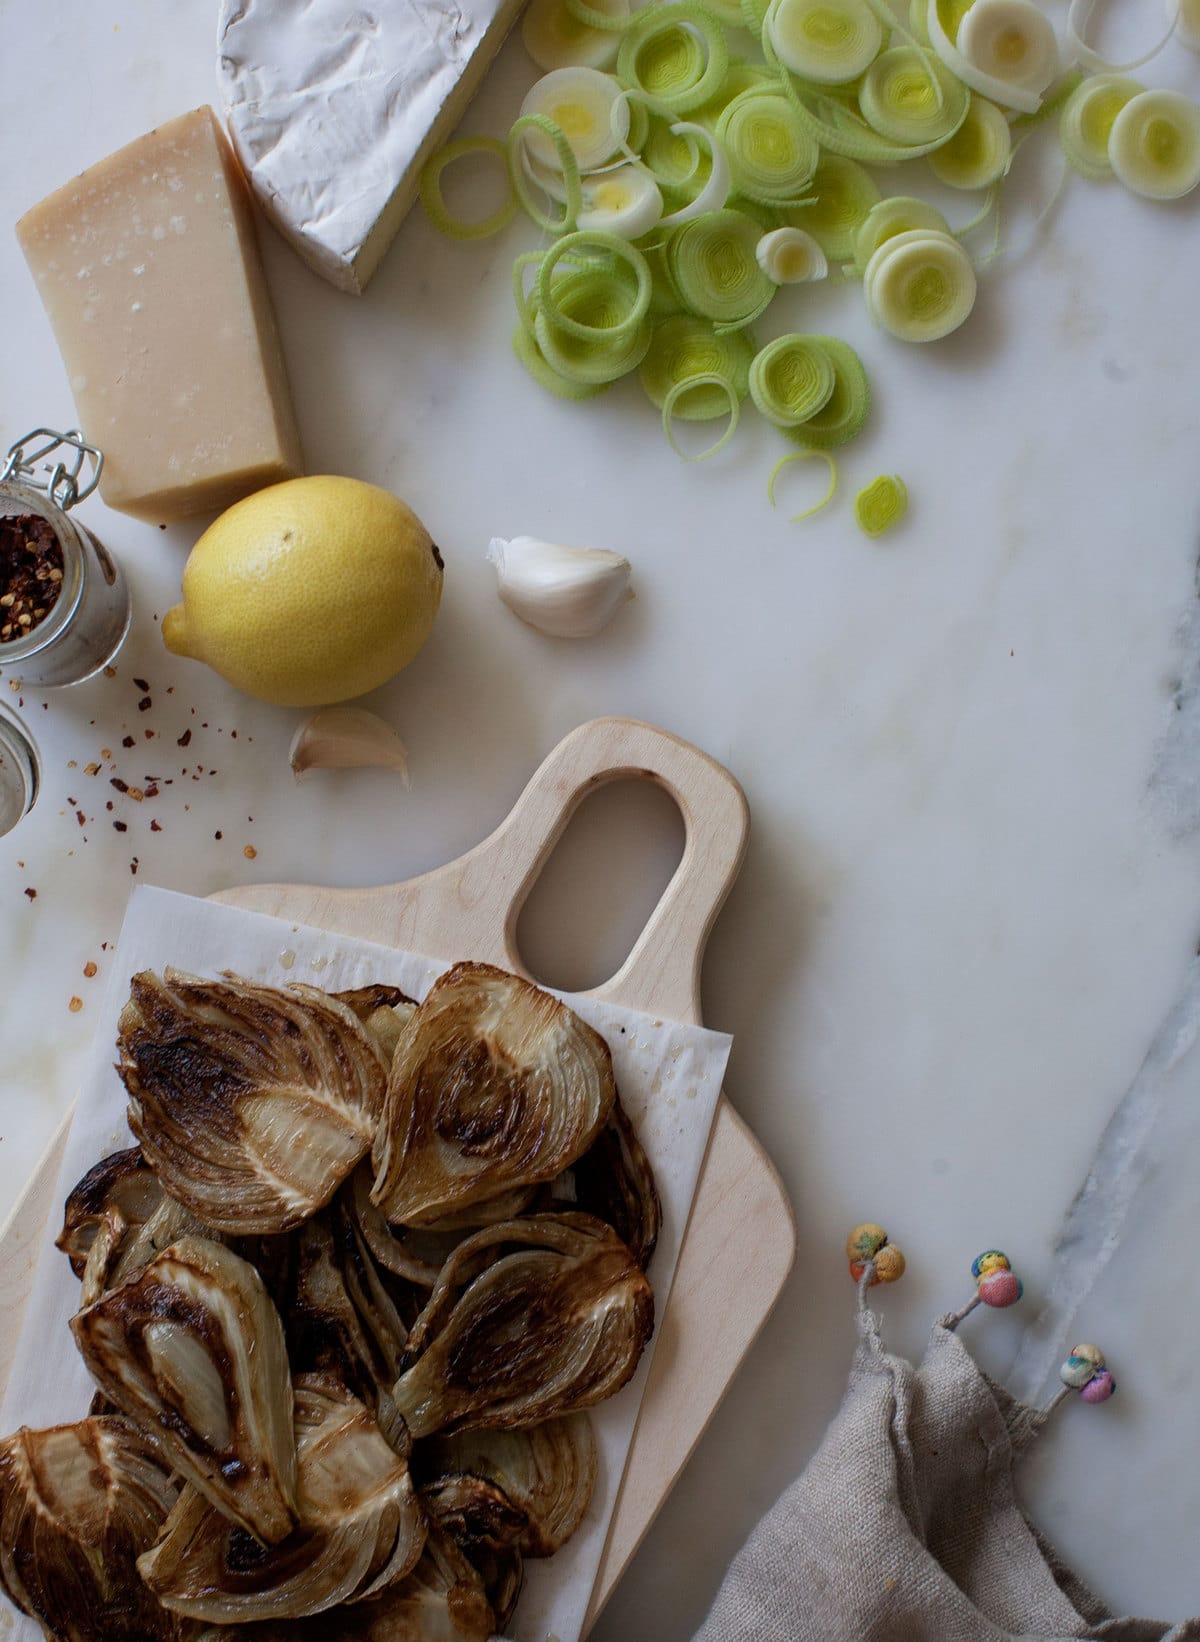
(600, 884)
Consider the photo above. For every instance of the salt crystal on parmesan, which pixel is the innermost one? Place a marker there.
(149, 270)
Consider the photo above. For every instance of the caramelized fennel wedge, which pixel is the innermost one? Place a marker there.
(193, 1350)
(443, 1599)
(251, 1104)
(547, 1474)
(494, 1085)
(122, 1182)
(614, 1181)
(78, 1505)
(360, 1527)
(536, 1318)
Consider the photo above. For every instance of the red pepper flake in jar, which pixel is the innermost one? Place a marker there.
(31, 573)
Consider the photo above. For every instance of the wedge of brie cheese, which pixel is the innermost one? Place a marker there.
(335, 106)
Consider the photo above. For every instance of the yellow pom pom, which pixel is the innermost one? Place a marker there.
(865, 1241)
(889, 1264)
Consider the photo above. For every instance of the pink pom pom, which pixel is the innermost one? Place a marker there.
(1100, 1388)
(1000, 1288)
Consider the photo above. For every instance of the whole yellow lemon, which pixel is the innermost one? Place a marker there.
(309, 592)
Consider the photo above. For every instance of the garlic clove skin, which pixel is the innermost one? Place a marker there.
(568, 592)
(347, 738)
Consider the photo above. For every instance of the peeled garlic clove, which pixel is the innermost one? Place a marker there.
(346, 738)
(568, 592)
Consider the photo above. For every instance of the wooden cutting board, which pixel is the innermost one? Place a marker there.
(741, 1239)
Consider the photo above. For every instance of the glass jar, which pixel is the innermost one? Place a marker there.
(20, 773)
(85, 627)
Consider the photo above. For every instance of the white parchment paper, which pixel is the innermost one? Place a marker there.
(669, 1076)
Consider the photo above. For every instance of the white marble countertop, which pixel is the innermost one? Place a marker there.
(960, 963)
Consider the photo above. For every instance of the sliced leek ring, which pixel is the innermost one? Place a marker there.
(919, 286)
(842, 197)
(1154, 145)
(586, 106)
(1010, 41)
(899, 214)
(789, 256)
(842, 416)
(827, 42)
(556, 38)
(431, 189)
(909, 95)
(881, 505)
(676, 52)
(625, 201)
(1080, 52)
(685, 349)
(770, 152)
(529, 355)
(536, 127)
(980, 150)
(1087, 119)
(672, 407)
(943, 22)
(792, 379)
(805, 456)
(712, 196)
(714, 268)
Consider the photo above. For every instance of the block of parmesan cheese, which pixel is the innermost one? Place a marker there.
(335, 106)
(149, 269)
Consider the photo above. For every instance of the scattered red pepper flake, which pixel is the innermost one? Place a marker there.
(75, 1005)
(89, 969)
(72, 764)
(91, 769)
(185, 739)
(110, 672)
(141, 685)
(215, 835)
(152, 790)
(121, 786)
(133, 866)
(154, 827)
(120, 826)
(136, 794)
(81, 818)
(128, 741)
(144, 703)
(106, 752)
(32, 893)
(250, 852)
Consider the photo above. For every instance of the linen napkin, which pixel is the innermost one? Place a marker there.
(905, 1525)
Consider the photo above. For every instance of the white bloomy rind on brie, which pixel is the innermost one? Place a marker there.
(335, 106)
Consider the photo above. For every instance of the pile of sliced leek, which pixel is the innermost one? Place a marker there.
(688, 160)
(345, 1304)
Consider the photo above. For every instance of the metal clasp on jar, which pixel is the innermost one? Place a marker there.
(65, 609)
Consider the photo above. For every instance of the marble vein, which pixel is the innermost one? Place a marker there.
(1092, 1227)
